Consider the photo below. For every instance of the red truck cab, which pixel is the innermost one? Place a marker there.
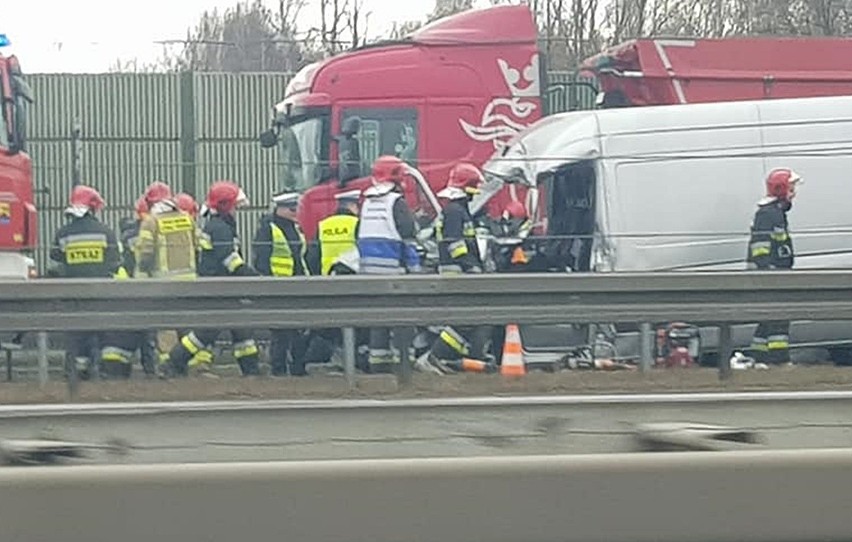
(18, 224)
(457, 89)
(679, 71)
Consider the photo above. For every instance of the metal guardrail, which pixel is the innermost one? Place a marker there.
(719, 298)
(778, 496)
(723, 297)
(240, 431)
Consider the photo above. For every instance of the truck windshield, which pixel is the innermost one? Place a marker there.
(303, 151)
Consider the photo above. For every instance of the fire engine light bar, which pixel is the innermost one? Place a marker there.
(4, 41)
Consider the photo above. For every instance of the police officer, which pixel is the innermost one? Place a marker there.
(336, 253)
(337, 235)
(279, 249)
(458, 253)
(84, 248)
(386, 232)
(770, 247)
(220, 257)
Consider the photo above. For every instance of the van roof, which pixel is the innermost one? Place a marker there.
(574, 136)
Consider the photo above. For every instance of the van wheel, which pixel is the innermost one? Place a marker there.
(841, 356)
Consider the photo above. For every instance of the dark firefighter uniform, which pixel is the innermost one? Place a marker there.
(770, 247)
(279, 249)
(85, 248)
(457, 248)
(458, 252)
(220, 257)
(129, 235)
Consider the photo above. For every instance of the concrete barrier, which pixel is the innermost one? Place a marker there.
(773, 496)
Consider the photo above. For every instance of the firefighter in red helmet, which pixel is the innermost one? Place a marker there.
(458, 252)
(457, 248)
(220, 257)
(187, 204)
(770, 247)
(84, 248)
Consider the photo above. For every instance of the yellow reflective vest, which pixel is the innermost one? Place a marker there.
(336, 236)
(281, 261)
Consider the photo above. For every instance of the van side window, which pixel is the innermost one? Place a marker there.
(385, 131)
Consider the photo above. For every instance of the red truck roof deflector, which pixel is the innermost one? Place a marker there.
(506, 24)
(674, 70)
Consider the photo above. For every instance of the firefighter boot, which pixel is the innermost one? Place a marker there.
(246, 354)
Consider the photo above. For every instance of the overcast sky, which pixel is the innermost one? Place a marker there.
(89, 35)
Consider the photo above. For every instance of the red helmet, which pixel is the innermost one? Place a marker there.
(781, 183)
(388, 169)
(157, 192)
(466, 177)
(86, 196)
(141, 207)
(187, 204)
(224, 197)
(515, 209)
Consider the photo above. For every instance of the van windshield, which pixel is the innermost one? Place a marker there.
(303, 145)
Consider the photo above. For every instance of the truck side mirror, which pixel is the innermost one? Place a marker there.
(268, 139)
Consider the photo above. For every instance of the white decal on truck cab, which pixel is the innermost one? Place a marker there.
(504, 117)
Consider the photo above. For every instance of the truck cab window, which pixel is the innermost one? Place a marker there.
(385, 131)
(303, 151)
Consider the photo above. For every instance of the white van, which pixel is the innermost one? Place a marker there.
(675, 187)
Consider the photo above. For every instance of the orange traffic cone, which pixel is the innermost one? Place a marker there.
(513, 355)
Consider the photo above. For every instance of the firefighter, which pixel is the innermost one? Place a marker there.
(84, 248)
(279, 249)
(187, 204)
(514, 252)
(770, 247)
(220, 257)
(167, 239)
(386, 232)
(337, 236)
(129, 236)
(167, 248)
(458, 252)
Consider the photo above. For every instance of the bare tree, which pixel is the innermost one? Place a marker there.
(248, 37)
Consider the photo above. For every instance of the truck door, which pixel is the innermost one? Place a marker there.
(391, 131)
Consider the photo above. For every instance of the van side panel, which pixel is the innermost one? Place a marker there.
(680, 172)
(816, 142)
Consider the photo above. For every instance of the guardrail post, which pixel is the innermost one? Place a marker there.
(645, 347)
(41, 344)
(349, 355)
(403, 337)
(725, 350)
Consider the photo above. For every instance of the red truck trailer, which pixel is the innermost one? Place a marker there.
(678, 71)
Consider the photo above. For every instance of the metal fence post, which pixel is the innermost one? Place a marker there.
(187, 133)
(725, 348)
(349, 355)
(76, 153)
(41, 342)
(645, 347)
